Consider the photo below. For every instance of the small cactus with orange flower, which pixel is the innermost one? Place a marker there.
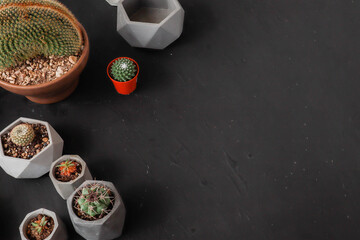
(67, 168)
(39, 225)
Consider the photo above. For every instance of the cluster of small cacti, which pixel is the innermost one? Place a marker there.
(22, 134)
(94, 200)
(39, 225)
(29, 28)
(67, 167)
(123, 70)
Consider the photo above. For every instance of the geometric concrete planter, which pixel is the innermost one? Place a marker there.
(59, 231)
(39, 164)
(149, 23)
(65, 189)
(107, 228)
(113, 2)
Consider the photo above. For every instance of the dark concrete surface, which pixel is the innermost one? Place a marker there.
(247, 127)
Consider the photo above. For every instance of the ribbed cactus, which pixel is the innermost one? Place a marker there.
(29, 28)
(123, 70)
(22, 135)
(95, 200)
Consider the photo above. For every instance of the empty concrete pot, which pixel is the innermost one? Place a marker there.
(39, 164)
(107, 228)
(59, 231)
(113, 2)
(65, 189)
(149, 23)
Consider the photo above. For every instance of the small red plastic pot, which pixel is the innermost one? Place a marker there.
(127, 87)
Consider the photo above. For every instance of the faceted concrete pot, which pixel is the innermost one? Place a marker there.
(59, 231)
(107, 228)
(149, 23)
(113, 2)
(39, 164)
(65, 189)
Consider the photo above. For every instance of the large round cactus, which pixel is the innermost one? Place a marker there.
(29, 28)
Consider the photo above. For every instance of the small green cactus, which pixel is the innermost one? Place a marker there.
(22, 135)
(29, 28)
(95, 200)
(123, 70)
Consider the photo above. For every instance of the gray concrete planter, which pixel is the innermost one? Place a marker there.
(59, 231)
(149, 23)
(65, 189)
(113, 2)
(40, 163)
(107, 228)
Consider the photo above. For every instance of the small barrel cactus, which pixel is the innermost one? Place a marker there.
(22, 135)
(123, 70)
(29, 28)
(95, 200)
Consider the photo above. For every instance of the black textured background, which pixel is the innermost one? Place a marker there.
(247, 127)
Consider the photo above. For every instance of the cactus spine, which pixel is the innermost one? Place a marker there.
(94, 200)
(22, 135)
(123, 70)
(29, 28)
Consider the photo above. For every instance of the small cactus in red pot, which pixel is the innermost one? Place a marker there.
(123, 72)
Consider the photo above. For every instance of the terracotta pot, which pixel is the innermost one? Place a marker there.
(127, 87)
(58, 89)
